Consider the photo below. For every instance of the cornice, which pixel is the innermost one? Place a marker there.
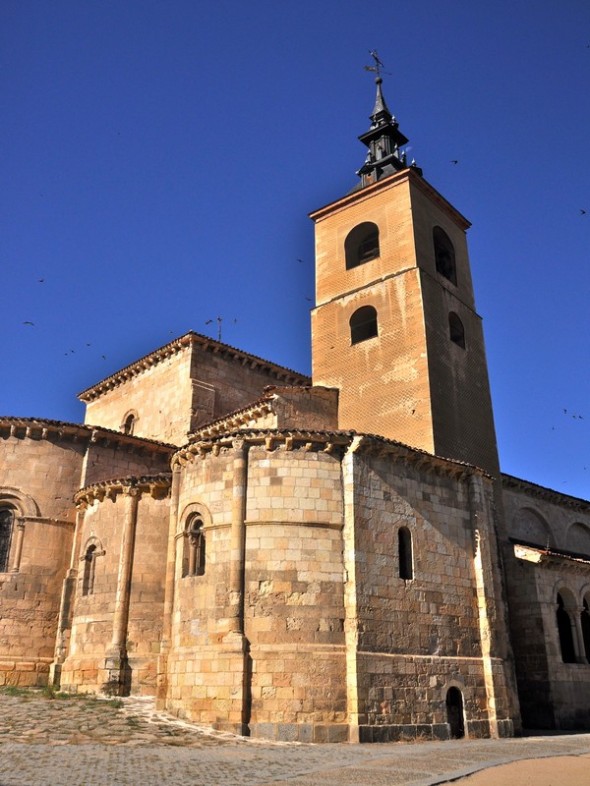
(156, 486)
(360, 194)
(545, 494)
(549, 557)
(323, 441)
(233, 420)
(189, 340)
(39, 429)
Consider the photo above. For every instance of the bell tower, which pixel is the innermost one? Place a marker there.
(395, 327)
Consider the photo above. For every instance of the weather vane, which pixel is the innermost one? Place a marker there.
(378, 66)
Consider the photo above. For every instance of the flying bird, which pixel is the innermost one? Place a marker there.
(40, 280)
(582, 212)
(454, 161)
(32, 324)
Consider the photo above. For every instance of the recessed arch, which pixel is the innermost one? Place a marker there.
(578, 538)
(444, 255)
(531, 527)
(564, 607)
(23, 504)
(363, 324)
(361, 244)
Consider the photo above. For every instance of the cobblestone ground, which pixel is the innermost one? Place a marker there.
(85, 741)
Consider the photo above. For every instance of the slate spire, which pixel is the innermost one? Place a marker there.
(384, 140)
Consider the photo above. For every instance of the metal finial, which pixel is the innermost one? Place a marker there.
(378, 66)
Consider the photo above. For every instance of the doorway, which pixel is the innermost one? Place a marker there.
(455, 717)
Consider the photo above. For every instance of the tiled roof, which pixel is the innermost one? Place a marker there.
(175, 346)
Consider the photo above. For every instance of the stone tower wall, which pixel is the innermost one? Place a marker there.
(383, 381)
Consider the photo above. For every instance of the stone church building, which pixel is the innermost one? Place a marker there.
(326, 559)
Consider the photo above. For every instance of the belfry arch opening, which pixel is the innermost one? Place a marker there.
(363, 324)
(361, 244)
(444, 255)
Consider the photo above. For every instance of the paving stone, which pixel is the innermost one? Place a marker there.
(94, 742)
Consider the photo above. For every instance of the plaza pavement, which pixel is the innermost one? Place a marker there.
(85, 741)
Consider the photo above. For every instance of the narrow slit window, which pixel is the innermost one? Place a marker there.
(6, 525)
(194, 554)
(89, 570)
(406, 560)
(129, 424)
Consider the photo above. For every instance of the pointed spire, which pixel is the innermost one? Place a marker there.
(380, 110)
(384, 140)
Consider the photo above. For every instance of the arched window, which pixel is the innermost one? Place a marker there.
(444, 255)
(564, 629)
(89, 570)
(361, 244)
(363, 324)
(128, 423)
(586, 629)
(6, 525)
(194, 551)
(456, 330)
(406, 561)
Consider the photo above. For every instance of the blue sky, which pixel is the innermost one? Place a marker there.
(160, 159)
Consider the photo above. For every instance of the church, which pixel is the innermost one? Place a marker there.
(326, 559)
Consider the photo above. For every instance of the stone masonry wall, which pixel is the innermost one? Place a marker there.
(93, 613)
(553, 694)
(292, 604)
(160, 397)
(417, 637)
(39, 479)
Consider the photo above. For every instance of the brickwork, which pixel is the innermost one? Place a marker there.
(383, 381)
(410, 382)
